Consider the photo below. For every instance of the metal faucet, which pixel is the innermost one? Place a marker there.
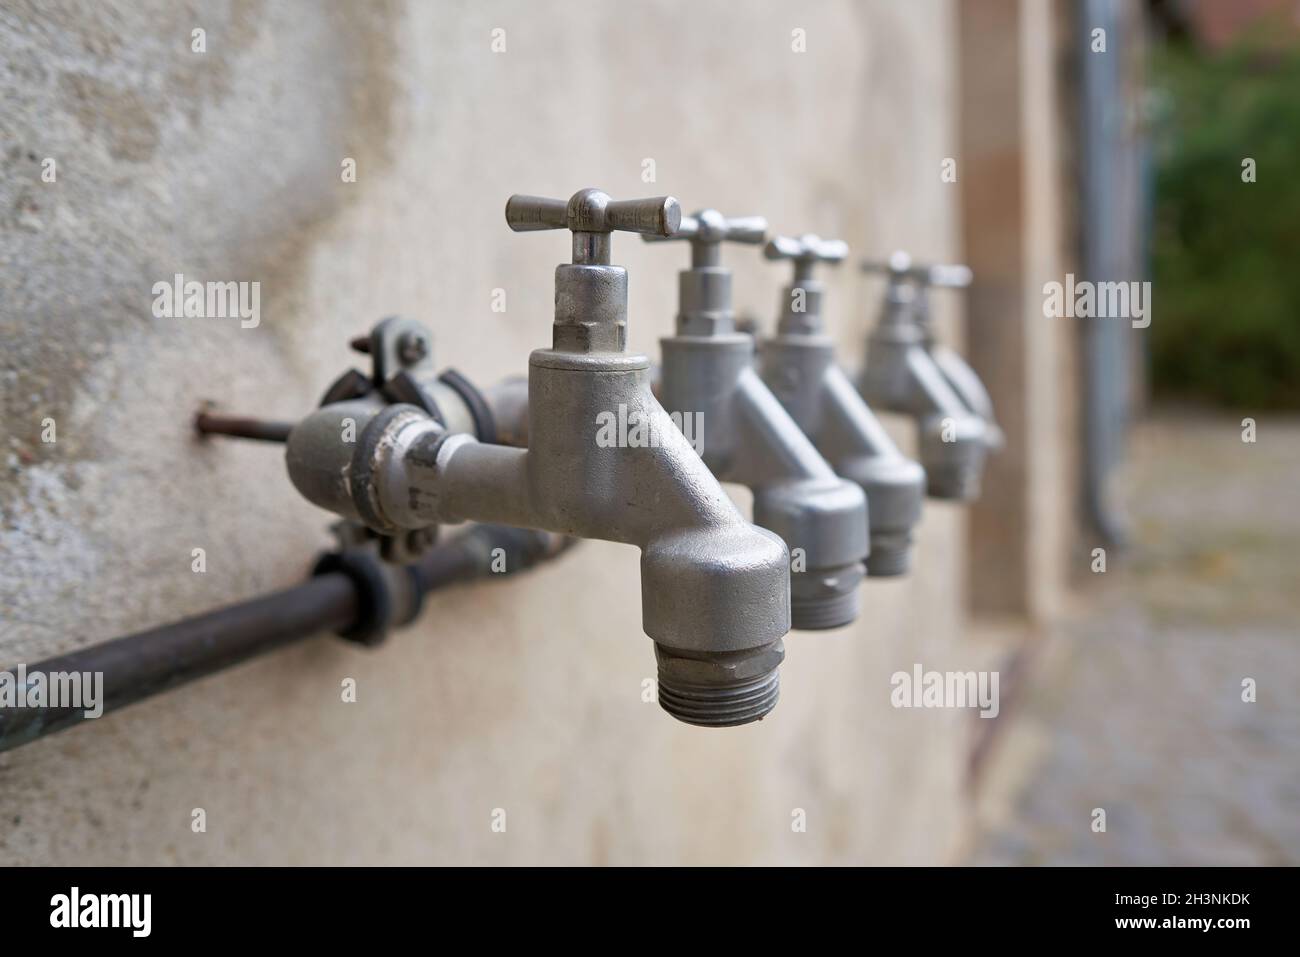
(715, 590)
(707, 379)
(901, 374)
(798, 365)
(963, 379)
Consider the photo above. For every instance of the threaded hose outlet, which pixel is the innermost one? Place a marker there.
(891, 554)
(957, 482)
(825, 598)
(719, 690)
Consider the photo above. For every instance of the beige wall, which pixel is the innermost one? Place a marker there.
(1013, 193)
(523, 695)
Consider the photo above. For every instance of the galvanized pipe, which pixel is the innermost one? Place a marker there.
(150, 662)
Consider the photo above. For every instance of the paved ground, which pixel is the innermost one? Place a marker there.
(1141, 713)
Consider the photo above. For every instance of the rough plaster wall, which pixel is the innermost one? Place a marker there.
(522, 695)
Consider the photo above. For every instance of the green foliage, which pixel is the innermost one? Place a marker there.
(1226, 253)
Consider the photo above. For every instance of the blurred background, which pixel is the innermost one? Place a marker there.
(1191, 457)
(1128, 571)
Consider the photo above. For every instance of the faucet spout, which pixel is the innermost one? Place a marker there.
(802, 372)
(744, 435)
(908, 371)
(748, 438)
(901, 375)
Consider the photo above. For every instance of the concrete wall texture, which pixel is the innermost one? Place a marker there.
(524, 695)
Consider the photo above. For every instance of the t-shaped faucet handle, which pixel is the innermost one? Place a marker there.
(801, 308)
(708, 229)
(592, 216)
(909, 281)
(704, 290)
(590, 294)
(806, 251)
(901, 268)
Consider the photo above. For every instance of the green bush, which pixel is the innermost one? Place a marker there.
(1226, 253)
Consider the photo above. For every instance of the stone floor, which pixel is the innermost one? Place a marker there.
(1138, 706)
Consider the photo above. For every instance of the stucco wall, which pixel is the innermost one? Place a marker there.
(523, 695)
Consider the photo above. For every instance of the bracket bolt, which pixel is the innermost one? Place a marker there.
(412, 348)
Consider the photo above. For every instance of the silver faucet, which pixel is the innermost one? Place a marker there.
(715, 590)
(963, 379)
(902, 374)
(798, 365)
(707, 379)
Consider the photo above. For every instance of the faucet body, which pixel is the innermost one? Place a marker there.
(801, 371)
(744, 435)
(715, 589)
(902, 375)
(798, 365)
